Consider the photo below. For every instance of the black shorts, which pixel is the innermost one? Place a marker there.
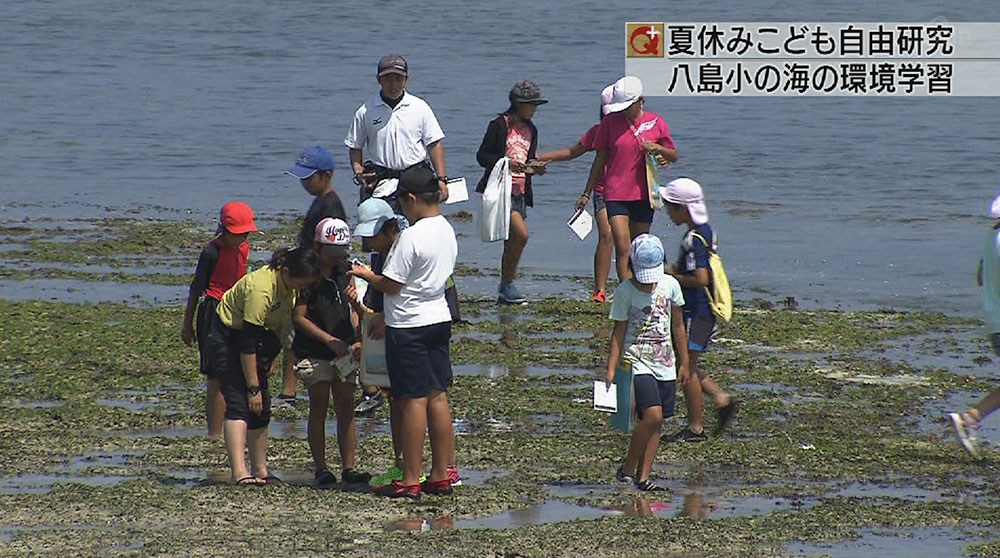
(650, 392)
(638, 210)
(223, 357)
(418, 359)
(206, 310)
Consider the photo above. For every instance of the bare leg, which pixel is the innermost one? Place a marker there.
(289, 382)
(395, 419)
(640, 457)
(215, 408)
(257, 441)
(636, 228)
(986, 406)
(620, 235)
(319, 403)
(343, 406)
(602, 254)
(236, 441)
(413, 427)
(513, 247)
(442, 435)
(692, 394)
(708, 385)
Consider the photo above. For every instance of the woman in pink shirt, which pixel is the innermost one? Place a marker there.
(512, 135)
(602, 254)
(623, 141)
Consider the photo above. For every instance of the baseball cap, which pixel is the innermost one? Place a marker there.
(334, 233)
(418, 180)
(624, 93)
(312, 159)
(606, 98)
(372, 214)
(526, 91)
(237, 218)
(688, 193)
(646, 255)
(392, 64)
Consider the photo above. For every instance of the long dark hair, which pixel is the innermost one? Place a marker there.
(300, 262)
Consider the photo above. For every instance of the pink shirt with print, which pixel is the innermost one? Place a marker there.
(518, 144)
(587, 141)
(625, 167)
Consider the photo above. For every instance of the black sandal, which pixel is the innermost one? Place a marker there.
(272, 480)
(246, 481)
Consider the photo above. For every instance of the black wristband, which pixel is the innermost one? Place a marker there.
(357, 179)
(444, 178)
(253, 390)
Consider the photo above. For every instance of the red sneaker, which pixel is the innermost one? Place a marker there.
(441, 487)
(599, 297)
(453, 476)
(398, 490)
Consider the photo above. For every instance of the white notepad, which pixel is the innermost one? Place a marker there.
(605, 399)
(581, 223)
(457, 191)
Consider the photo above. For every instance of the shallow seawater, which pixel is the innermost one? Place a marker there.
(903, 543)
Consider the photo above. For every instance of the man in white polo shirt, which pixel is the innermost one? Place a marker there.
(397, 130)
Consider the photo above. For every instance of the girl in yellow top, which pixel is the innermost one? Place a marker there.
(241, 345)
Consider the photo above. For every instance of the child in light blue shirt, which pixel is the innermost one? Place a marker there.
(649, 336)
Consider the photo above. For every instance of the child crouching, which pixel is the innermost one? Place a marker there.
(649, 335)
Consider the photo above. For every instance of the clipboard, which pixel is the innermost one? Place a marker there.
(374, 370)
(605, 398)
(458, 191)
(623, 417)
(581, 223)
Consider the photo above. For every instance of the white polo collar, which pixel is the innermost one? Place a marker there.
(405, 101)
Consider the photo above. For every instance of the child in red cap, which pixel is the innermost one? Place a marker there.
(222, 263)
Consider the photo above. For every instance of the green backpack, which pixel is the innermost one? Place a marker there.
(720, 298)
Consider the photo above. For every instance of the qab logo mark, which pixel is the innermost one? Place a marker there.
(644, 40)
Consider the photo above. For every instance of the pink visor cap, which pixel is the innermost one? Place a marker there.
(687, 192)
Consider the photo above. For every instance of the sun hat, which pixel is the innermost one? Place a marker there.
(311, 160)
(372, 214)
(625, 92)
(688, 193)
(237, 218)
(334, 233)
(995, 206)
(646, 255)
(526, 91)
(606, 98)
(392, 64)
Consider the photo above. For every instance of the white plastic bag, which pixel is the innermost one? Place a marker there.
(494, 215)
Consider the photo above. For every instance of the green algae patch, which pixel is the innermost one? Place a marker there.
(102, 449)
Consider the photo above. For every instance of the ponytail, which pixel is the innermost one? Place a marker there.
(300, 262)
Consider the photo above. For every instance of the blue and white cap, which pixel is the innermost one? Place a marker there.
(646, 256)
(312, 159)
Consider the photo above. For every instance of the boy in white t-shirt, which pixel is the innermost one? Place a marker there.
(418, 333)
(646, 310)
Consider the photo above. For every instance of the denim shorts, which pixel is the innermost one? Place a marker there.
(598, 201)
(700, 332)
(638, 210)
(517, 204)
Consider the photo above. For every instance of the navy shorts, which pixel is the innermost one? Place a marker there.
(700, 332)
(517, 204)
(638, 210)
(418, 359)
(598, 201)
(650, 392)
